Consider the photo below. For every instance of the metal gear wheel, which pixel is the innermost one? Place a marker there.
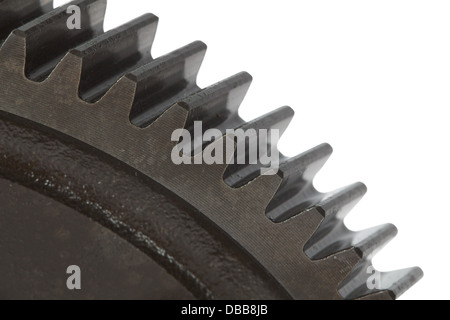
(85, 124)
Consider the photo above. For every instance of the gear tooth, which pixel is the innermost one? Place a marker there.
(165, 81)
(14, 13)
(307, 164)
(339, 203)
(50, 31)
(276, 120)
(216, 107)
(237, 175)
(398, 282)
(218, 103)
(111, 55)
(370, 242)
(296, 193)
(333, 237)
(364, 281)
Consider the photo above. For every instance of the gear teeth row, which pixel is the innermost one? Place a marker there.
(164, 81)
(50, 31)
(114, 60)
(106, 58)
(15, 13)
(238, 174)
(333, 237)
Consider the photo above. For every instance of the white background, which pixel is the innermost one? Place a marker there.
(371, 78)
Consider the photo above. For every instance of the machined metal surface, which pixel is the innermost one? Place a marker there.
(289, 237)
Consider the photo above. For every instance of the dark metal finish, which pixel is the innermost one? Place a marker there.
(292, 235)
(40, 238)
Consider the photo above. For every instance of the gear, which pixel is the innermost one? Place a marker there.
(86, 119)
